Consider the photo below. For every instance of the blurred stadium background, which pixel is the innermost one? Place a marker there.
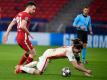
(51, 25)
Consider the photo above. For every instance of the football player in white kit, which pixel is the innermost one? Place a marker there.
(71, 52)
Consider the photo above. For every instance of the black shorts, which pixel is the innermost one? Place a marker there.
(82, 35)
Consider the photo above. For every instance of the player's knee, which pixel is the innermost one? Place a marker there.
(33, 52)
(37, 72)
(26, 54)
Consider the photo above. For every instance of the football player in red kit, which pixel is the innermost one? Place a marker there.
(22, 19)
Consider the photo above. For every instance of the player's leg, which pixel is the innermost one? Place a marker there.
(29, 70)
(80, 35)
(31, 64)
(22, 44)
(42, 63)
(44, 60)
(28, 49)
(31, 52)
(24, 58)
(27, 46)
(84, 50)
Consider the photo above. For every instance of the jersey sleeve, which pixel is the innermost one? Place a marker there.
(70, 56)
(75, 23)
(25, 17)
(89, 24)
(15, 18)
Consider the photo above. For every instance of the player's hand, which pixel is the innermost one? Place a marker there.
(77, 27)
(82, 28)
(86, 74)
(91, 32)
(5, 38)
(89, 71)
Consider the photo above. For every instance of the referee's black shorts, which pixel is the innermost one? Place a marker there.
(82, 35)
(77, 57)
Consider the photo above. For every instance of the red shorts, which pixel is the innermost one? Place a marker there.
(24, 42)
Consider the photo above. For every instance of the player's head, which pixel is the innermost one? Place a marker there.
(77, 45)
(31, 7)
(85, 10)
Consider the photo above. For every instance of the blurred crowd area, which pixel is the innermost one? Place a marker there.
(55, 15)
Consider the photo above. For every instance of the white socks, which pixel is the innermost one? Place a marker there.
(31, 64)
(27, 69)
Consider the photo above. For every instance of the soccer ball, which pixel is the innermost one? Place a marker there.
(66, 72)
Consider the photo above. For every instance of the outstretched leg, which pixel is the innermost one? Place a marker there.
(31, 64)
(30, 70)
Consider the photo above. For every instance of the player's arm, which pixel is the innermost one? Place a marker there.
(5, 38)
(82, 65)
(76, 22)
(80, 68)
(90, 28)
(73, 61)
(24, 28)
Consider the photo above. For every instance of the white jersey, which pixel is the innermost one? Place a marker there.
(60, 52)
(53, 53)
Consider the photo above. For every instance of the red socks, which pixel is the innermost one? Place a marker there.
(26, 57)
(29, 59)
(23, 59)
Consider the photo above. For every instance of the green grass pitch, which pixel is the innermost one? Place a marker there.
(11, 54)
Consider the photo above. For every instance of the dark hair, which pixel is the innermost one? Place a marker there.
(78, 46)
(86, 7)
(78, 43)
(30, 3)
